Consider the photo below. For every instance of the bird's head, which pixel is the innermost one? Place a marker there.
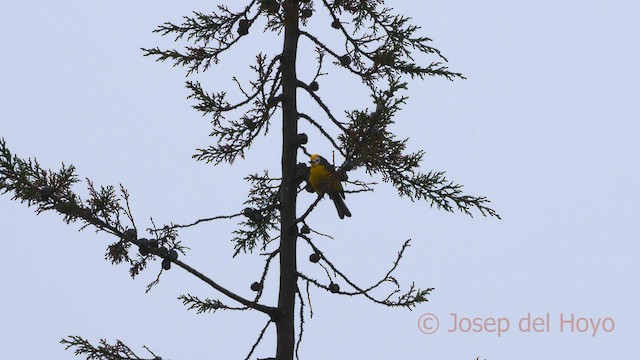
(315, 159)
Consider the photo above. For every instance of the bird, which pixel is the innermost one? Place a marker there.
(324, 179)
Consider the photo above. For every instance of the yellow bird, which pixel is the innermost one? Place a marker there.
(324, 180)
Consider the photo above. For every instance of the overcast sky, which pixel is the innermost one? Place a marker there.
(546, 126)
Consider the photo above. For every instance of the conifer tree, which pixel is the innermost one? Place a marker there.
(378, 47)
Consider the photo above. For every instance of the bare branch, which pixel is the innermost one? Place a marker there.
(324, 133)
(255, 345)
(324, 107)
(267, 264)
(271, 311)
(179, 226)
(409, 299)
(301, 321)
(311, 207)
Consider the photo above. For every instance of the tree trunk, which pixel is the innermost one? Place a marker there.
(288, 229)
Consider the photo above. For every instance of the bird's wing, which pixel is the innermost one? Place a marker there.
(327, 165)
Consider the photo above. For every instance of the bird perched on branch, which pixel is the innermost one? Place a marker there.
(324, 179)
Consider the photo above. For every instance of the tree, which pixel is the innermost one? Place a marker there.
(379, 49)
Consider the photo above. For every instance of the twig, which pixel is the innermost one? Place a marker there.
(178, 226)
(321, 129)
(301, 321)
(306, 213)
(271, 311)
(255, 345)
(325, 108)
(360, 291)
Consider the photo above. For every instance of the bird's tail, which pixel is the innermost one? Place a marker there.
(340, 205)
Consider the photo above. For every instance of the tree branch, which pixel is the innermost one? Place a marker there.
(410, 299)
(271, 311)
(255, 345)
(324, 133)
(311, 207)
(322, 105)
(118, 351)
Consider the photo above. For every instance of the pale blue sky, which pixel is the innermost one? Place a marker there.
(545, 126)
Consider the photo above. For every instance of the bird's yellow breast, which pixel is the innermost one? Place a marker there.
(322, 180)
(319, 177)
